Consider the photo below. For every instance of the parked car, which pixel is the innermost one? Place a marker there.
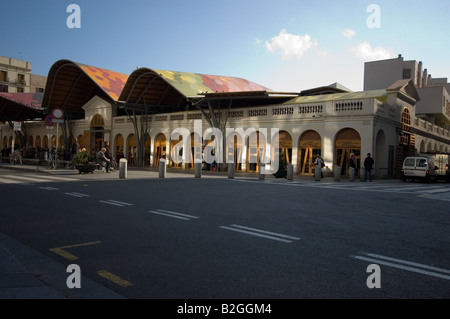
(419, 168)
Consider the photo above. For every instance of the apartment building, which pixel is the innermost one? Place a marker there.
(16, 77)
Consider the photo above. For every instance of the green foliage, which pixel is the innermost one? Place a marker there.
(82, 157)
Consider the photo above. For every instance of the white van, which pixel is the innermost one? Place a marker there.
(442, 161)
(418, 168)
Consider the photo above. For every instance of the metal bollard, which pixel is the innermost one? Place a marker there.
(231, 170)
(290, 172)
(318, 173)
(198, 170)
(162, 168)
(351, 174)
(337, 173)
(123, 163)
(262, 171)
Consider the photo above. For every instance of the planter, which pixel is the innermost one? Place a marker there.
(86, 168)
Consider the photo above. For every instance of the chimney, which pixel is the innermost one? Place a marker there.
(399, 56)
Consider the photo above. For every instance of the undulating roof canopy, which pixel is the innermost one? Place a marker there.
(70, 85)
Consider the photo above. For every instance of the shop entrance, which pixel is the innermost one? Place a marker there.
(310, 146)
(348, 141)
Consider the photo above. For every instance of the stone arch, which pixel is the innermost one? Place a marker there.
(131, 149)
(422, 147)
(119, 146)
(310, 144)
(284, 148)
(97, 130)
(347, 141)
(256, 149)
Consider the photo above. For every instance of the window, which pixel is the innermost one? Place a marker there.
(406, 74)
(422, 163)
(19, 90)
(409, 162)
(20, 79)
(3, 76)
(39, 90)
(3, 88)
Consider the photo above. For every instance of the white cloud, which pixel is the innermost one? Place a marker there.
(365, 52)
(349, 33)
(291, 45)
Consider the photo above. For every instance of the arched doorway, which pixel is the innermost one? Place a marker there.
(196, 153)
(45, 143)
(284, 149)
(407, 142)
(118, 143)
(310, 145)
(160, 148)
(38, 141)
(347, 141)
(147, 149)
(234, 150)
(256, 150)
(97, 132)
(131, 151)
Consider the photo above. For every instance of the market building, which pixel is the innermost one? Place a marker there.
(138, 114)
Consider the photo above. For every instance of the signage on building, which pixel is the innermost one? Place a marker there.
(17, 126)
(57, 113)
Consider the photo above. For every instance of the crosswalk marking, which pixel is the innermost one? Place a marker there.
(261, 233)
(32, 178)
(115, 203)
(169, 213)
(75, 194)
(405, 265)
(48, 188)
(443, 189)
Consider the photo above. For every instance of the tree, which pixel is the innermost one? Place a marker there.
(216, 113)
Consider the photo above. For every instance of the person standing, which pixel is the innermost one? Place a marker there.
(368, 165)
(75, 149)
(108, 155)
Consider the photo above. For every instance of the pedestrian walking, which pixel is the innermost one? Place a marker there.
(368, 165)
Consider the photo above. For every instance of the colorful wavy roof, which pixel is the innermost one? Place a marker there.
(110, 81)
(33, 100)
(191, 84)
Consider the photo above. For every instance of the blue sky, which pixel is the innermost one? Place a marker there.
(285, 45)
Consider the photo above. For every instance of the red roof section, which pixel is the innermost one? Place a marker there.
(110, 81)
(33, 100)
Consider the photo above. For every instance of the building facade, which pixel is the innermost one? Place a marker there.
(102, 105)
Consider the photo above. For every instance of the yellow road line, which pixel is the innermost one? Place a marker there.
(60, 250)
(115, 279)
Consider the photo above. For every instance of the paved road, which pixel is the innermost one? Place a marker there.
(186, 238)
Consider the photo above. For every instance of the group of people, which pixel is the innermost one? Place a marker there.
(353, 166)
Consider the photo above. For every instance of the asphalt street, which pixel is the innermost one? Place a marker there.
(218, 238)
